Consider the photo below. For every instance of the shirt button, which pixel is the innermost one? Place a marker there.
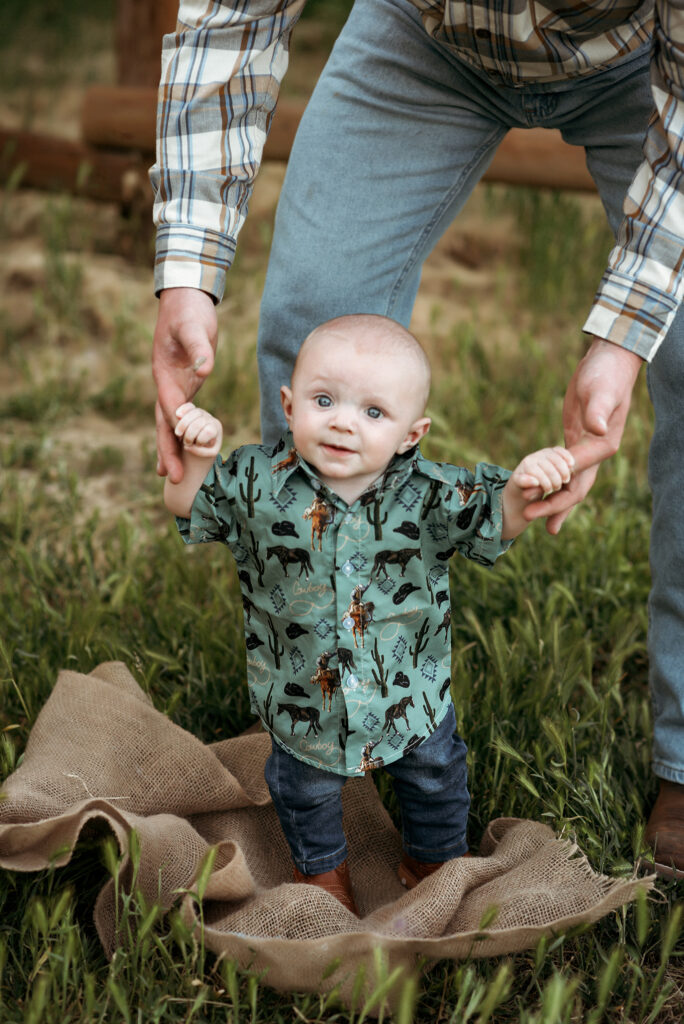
(347, 568)
(348, 622)
(349, 516)
(352, 681)
(482, 33)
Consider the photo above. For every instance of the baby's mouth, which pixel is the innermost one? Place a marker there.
(338, 449)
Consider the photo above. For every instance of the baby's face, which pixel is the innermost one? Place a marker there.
(351, 409)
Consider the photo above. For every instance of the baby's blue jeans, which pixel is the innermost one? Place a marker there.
(396, 135)
(430, 783)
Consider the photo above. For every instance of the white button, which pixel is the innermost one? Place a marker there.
(349, 516)
(348, 622)
(347, 568)
(352, 681)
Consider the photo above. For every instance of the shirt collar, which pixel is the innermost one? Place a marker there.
(286, 461)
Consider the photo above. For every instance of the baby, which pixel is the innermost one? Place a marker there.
(342, 535)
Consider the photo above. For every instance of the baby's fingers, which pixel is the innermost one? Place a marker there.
(184, 408)
(207, 433)
(198, 427)
(550, 477)
(525, 480)
(558, 466)
(551, 468)
(189, 423)
(535, 473)
(564, 462)
(186, 414)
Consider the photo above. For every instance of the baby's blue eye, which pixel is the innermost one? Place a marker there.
(374, 412)
(323, 401)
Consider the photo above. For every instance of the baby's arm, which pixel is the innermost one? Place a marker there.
(201, 435)
(541, 473)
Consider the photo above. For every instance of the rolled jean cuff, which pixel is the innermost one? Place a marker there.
(318, 865)
(434, 856)
(664, 771)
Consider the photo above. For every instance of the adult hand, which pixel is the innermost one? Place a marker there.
(185, 340)
(594, 414)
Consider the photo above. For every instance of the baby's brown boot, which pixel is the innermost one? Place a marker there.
(412, 871)
(665, 830)
(336, 882)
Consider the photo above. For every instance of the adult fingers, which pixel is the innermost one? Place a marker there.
(168, 448)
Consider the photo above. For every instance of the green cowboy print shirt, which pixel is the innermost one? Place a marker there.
(347, 608)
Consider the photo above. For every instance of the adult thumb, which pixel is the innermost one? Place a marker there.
(194, 339)
(597, 413)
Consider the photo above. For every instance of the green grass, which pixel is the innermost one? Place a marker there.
(550, 690)
(549, 650)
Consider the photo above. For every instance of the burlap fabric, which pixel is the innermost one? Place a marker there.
(100, 750)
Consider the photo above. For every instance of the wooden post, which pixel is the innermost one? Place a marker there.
(140, 25)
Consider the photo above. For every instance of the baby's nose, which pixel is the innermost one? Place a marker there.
(343, 418)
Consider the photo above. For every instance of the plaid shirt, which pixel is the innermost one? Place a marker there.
(222, 70)
(347, 607)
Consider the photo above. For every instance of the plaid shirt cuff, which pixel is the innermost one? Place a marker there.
(192, 258)
(629, 313)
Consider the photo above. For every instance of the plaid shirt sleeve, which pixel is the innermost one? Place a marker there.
(221, 72)
(642, 286)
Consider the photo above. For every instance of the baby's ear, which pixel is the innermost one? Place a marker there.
(286, 402)
(418, 429)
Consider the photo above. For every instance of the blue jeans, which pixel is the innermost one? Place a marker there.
(396, 135)
(430, 784)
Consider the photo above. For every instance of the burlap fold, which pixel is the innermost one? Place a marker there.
(99, 749)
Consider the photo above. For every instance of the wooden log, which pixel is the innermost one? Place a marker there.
(120, 117)
(539, 158)
(283, 129)
(140, 25)
(56, 164)
(125, 118)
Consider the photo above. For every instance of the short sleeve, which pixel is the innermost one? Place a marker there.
(475, 513)
(212, 517)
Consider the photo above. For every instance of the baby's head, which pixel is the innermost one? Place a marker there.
(357, 397)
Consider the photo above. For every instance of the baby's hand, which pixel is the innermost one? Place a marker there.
(200, 432)
(543, 472)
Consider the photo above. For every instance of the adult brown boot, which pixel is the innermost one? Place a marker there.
(665, 830)
(336, 882)
(412, 871)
